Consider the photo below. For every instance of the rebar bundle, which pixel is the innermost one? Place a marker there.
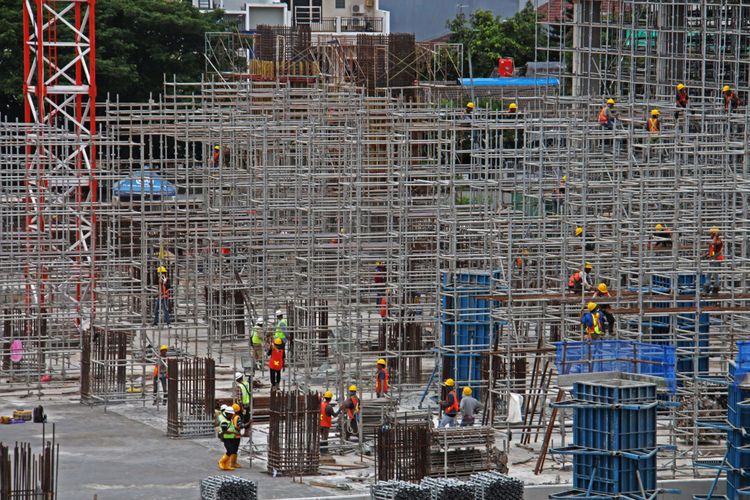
(398, 490)
(228, 488)
(448, 489)
(27, 476)
(402, 452)
(496, 486)
(190, 404)
(293, 433)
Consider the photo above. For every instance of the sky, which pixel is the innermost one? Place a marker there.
(427, 18)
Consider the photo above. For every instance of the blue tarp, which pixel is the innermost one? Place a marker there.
(143, 182)
(509, 81)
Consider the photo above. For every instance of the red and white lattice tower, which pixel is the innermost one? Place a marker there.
(60, 95)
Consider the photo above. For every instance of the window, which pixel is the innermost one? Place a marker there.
(340, 4)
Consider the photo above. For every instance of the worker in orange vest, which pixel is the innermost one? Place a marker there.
(731, 99)
(351, 405)
(580, 280)
(216, 155)
(160, 374)
(653, 124)
(383, 309)
(449, 405)
(715, 255)
(607, 115)
(381, 379)
(276, 355)
(327, 414)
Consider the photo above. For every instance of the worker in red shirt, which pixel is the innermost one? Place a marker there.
(731, 99)
(162, 301)
(381, 379)
(276, 356)
(449, 405)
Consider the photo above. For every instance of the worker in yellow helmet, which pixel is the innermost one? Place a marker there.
(381, 379)
(607, 115)
(513, 108)
(351, 405)
(560, 194)
(160, 374)
(715, 256)
(327, 414)
(581, 279)
(663, 237)
(653, 124)
(161, 304)
(731, 99)
(449, 404)
(593, 322)
(602, 290)
(589, 244)
(681, 101)
(469, 407)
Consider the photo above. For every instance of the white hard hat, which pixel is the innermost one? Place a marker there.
(223, 407)
(238, 375)
(279, 312)
(229, 410)
(260, 321)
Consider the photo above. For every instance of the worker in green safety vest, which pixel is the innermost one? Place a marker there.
(229, 433)
(281, 326)
(256, 343)
(242, 398)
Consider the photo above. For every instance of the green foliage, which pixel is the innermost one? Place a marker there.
(488, 37)
(137, 42)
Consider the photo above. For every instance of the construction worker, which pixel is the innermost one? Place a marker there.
(449, 404)
(579, 234)
(682, 98)
(715, 255)
(601, 291)
(242, 397)
(229, 433)
(560, 195)
(160, 374)
(513, 108)
(653, 124)
(381, 379)
(609, 318)
(281, 326)
(351, 405)
(256, 342)
(731, 99)
(216, 155)
(469, 407)
(327, 414)
(663, 237)
(162, 301)
(383, 304)
(239, 426)
(592, 321)
(580, 280)
(276, 355)
(607, 115)
(469, 110)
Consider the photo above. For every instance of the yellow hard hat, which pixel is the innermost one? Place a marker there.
(680, 86)
(381, 361)
(579, 231)
(659, 227)
(565, 179)
(450, 382)
(163, 347)
(328, 395)
(278, 341)
(714, 230)
(161, 269)
(470, 105)
(655, 112)
(352, 388)
(726, 88)
(513, 105)
(602, 288)
(217, 147)
(588, 265)
(610, 101)
(467, 391)
(236, 407)
(591, 306)
(378, 263)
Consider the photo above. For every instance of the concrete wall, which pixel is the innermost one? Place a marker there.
(264, 15)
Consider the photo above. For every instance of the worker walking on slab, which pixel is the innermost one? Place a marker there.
(256, 343)
(276, 356)
(238, 425)
(469, 407)
(281, 326)
(449, 404)
(593, 322)
(162, 301)
(607, 117)
(715, 256)
(581, 280)
(229, 433)
(381, 379)
(160, 374)
(327, 413)
(351, 405)
(242, 398)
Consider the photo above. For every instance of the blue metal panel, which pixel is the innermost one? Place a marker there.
(509, 81)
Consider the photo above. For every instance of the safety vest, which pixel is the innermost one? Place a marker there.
(384, 306)
(384, 382)
(453, 408)
(216, 157)
(325, 419)
(600, 294)
(164, 288)
(245, 390)
(256, 339)
(596, 326)
(715, 251)
(279, 333)
(682, 99)
(276, 361)
(157, 368)
(603, 115)
(575, 278)
(231, 432)
(653, 125)
(354, 410)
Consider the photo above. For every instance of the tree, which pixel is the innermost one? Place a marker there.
(137, 42)
(488, 37)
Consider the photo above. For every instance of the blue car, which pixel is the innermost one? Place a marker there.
(143, 183)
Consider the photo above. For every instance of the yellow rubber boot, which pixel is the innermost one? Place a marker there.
(224, 463)
(233, 462)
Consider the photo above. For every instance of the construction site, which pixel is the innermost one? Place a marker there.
(338, 189)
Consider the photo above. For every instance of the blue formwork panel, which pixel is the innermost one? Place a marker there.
(685, 282)
(613, 475)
